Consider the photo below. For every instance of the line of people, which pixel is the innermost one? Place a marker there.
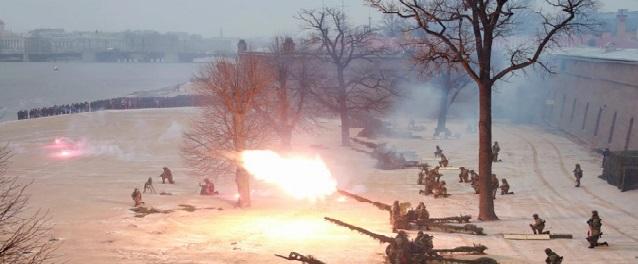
(120, 103)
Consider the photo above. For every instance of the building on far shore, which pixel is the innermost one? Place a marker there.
(10, 43)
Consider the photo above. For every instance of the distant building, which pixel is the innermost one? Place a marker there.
(10, 43)
(618, 30)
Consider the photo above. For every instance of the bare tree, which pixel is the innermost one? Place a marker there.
(295, 76)
(451, 83)
(358, 85)
(466, 32)
(230, 124)
(24, 238)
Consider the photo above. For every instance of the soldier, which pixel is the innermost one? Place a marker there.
(444, 162)
(137, 197)
(595, 224)
(208, 188)
(167, 175)
(538, 225)
(464, 175)
(421, 177)
(475, 181)
(495, 150)
(505, 187)
(423, 243)
(552, 257)
(428, 185)
(422, 213)
(149, 185)
(401, 250)
(494, 186)
(578, 173)
(438, 152)
(440, 190)
(436, 175)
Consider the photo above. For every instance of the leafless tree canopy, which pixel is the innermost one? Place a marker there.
(356, 82)
(464, 31)
(231, 92)
(24, 237)
(470, 33)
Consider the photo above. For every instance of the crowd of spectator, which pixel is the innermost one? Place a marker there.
(121, 103)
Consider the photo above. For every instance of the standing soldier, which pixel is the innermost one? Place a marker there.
(505, 187)
(475, 181)
(552, 257)
(137, 197)
(494, 186)
(595, 224)
(438, 152)
(606, 153)
(464, 175)
(167, 175)
(495, 150)
(435, 174)
(149, 185)
(401, 249)
(578, 173)
(538, 225)
(444, 162)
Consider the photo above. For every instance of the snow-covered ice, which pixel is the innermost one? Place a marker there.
(88, 197)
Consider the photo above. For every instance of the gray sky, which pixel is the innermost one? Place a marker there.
(237, 17)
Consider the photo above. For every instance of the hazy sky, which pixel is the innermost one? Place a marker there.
(237, 17)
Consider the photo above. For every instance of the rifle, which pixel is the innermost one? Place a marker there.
(298, 257)
(381, 238)
(380, 205)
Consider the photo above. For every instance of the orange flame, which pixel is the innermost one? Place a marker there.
(300, 177)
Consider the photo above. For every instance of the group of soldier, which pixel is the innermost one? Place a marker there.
(593, 235)
(404, 250)
(431, 178)
(207, 188)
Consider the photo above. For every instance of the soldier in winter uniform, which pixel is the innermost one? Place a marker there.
(578, 173)
(595, 224)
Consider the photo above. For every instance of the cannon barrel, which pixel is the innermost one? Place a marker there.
(299, 257)
(380, 205)
(381, 238)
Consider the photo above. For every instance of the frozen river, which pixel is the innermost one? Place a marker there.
(28, 85)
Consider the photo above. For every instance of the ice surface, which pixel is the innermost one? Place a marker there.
(88, 196)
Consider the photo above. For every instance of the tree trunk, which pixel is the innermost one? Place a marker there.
(486, 202)
(243, 187)
(343, 108)
(345, 127)
(443, 109)
(285, 135)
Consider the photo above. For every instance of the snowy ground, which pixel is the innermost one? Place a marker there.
(88, 196)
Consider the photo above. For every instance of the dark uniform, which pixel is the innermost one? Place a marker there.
(438, 152)
(440, 190)
(595, 224)
(538, 225)
(475, 181)
(494, 186)
(137, 197)
(208, 188)
(552, 257)
(395, 215)
(505, 187)
(167, 175)
(495, 150)
(422, 213)
(464, 175)
(149, 185)
(444, 162)
(423, 243)
(578, 173)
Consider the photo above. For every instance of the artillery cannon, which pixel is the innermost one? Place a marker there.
(407, 218)
(419, 254)
(299, 257)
